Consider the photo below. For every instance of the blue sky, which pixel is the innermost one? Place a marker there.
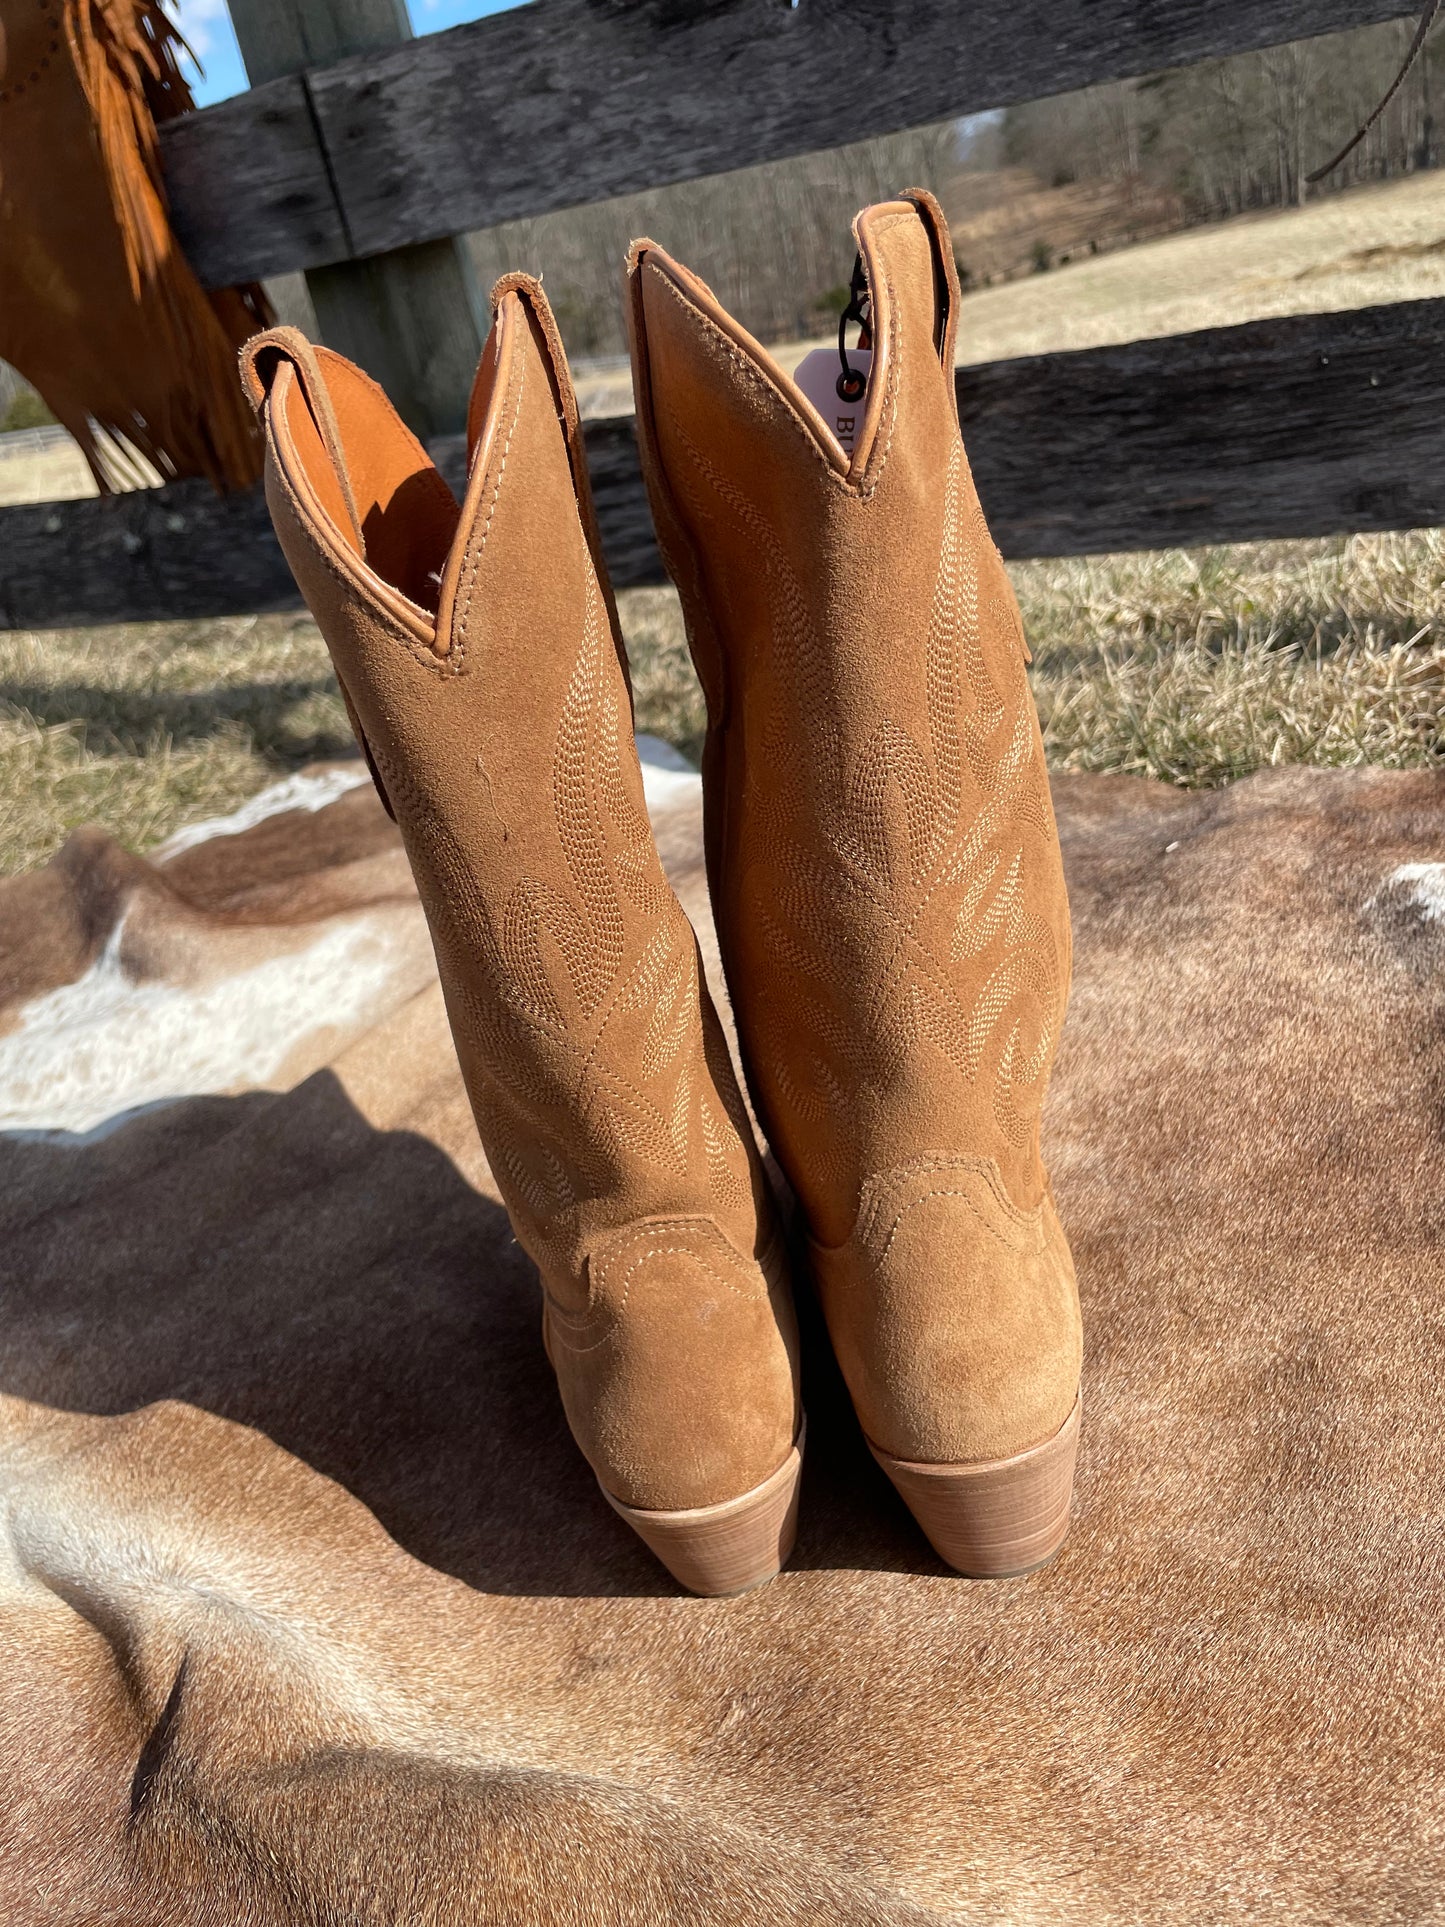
(207, 26)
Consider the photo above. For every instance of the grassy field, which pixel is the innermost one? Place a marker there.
(143, 727)
(1195, 668)
(1356, 250)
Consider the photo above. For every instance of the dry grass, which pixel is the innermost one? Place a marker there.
(1370, 246)
(1197, 668)
(1193, 668)
(1374, 244)
(1355, 250)
(57, 474)
(665, 693)
(143, 727)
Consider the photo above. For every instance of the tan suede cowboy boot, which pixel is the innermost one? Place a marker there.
(480, 659)
(885, 871)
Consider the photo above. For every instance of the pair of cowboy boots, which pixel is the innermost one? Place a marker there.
(885, 876)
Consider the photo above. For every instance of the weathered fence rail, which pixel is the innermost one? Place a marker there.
(567, 101)
(1311, 425)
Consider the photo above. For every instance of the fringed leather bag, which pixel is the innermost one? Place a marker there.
(99, 308)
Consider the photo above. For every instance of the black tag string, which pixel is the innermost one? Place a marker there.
(852, 382)
(1417, 47)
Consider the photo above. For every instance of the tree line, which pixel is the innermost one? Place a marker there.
(1220, 138)
(1231, 135)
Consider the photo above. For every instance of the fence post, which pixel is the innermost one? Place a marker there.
(413, 318)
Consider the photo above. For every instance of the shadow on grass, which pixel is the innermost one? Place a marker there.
(288, 721)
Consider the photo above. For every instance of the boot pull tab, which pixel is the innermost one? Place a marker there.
(529, 290)
(945, 271)
(262, 358)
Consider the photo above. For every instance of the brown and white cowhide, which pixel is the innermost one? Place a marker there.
(311, 1613)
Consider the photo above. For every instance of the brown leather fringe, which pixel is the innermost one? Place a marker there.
(99, 308)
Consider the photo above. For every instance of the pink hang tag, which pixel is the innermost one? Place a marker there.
(817, 375)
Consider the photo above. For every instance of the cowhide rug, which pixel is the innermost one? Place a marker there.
(311, 1613)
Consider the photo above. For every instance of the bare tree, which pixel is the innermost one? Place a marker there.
(1244, 132)
(773, 241)
(1209, 140)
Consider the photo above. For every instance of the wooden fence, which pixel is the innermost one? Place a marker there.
(1311, 425)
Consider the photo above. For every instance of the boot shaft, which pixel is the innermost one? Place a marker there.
(478, 652)
(881, 843)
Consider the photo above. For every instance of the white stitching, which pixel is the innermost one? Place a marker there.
(474, 559)
(1024, 1222)
(639, 1258)
(759, 380)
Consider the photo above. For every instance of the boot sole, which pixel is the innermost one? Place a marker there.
(998, 1519)
(721, 1550)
